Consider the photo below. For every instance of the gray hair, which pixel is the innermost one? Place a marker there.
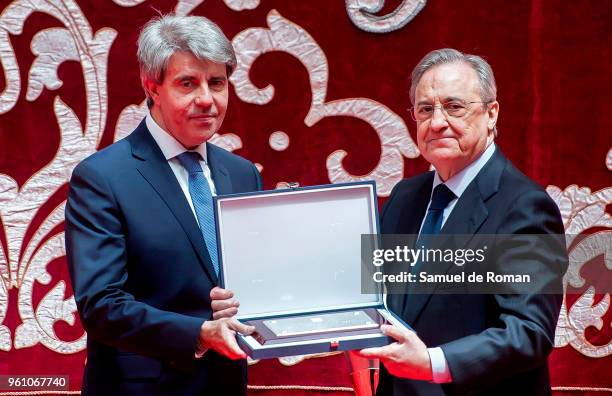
(162, 36)
(488, 88)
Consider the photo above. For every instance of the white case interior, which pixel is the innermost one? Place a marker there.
(297, 251)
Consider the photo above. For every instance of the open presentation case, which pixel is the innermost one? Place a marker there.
(293, 260)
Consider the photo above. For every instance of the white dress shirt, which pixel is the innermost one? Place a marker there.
(171, 148)
(457, 184)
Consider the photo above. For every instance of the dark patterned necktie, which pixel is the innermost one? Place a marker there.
(440, 199)
(432, 225)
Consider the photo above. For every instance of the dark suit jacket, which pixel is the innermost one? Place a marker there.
(494, 344)
(141, 273)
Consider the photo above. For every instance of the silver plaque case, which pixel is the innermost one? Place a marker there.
(293, 260)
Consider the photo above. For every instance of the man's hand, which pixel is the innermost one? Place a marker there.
(220, 335)
(223, 304)
(406, 358)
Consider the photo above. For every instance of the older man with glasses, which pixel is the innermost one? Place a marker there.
(481, 344)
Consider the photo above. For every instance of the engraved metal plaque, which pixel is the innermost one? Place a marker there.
(320, 323)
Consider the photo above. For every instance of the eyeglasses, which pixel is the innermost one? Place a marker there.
(452, 109)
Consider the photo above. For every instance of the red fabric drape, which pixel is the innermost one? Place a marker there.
(553, 64)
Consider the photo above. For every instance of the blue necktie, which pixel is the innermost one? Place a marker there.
(201, 197)
(440, 199)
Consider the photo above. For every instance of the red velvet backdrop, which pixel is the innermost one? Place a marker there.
(553, 64)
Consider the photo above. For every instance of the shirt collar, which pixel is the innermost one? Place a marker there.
(169, 146)
(460, 182)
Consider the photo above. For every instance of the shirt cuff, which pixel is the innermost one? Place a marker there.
(200, 353)
(439, 367)
(200, 349)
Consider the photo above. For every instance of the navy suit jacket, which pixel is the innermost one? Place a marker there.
(141, 273)
(494, 344)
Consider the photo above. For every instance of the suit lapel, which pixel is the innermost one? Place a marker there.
(414, 208)
(467, 217)
(155, 169)
(468, 214)
(471, 210)
(220, 174)
(411, 217)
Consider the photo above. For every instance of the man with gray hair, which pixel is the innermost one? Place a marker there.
(140, 231)
(477, 344)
